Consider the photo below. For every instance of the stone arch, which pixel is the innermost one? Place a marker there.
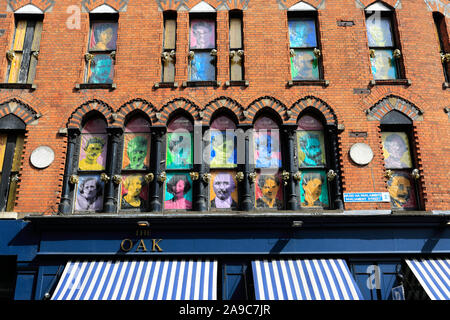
(19, 109)
(393, 102)
(130, 106)
(218, 103)
(314, 103)
(436, 6)
(76, 118)
(163, 115)
(263, 102)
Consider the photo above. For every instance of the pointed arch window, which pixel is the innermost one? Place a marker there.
(134, 193)
(12, 134)
(91, 165)
(223, 192)
(399, 161)
(312, 162)
(267, 163)
(179, 163)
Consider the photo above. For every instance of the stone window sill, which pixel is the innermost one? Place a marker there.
(445, 85)
(26, 86)
(322, 82)
(390, 82)
(213, 83)
(82, 86)
(165, 85)
(237, 83)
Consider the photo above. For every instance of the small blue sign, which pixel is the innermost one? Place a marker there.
(398, 293)
(367, 197)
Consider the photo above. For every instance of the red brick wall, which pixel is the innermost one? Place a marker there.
(138, 67)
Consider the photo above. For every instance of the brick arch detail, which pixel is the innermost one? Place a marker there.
(318, 4)
(130, 106)
(396, 4)
(216, 104)
(164, 113)
(20, 109)
(264, 102)
(77, 116)
(315, 103)
(119, 5)
(394, 102)
(44, 5)
(436, 6)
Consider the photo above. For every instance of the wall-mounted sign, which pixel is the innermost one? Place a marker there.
(367, 197)
(361, 153)
(42, 157)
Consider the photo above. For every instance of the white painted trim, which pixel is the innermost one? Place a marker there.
(302, 6)
(29, 9)
(202, 7)
(104, 8)
(377, 6)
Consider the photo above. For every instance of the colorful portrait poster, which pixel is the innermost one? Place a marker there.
(136, 151)
(179, 150)
(383, 65)
(203, 34)
(313, 189)
(101, 69)
(311, 149)
(134, 192)
(401, 190)
(3, 138)
(223, 190)
(379, 31)
(267, 148)
(304, 65)
(93, 148)
(302, 33)
(269, 192)
(202, 67)
(89, 195)
(396, 150)
(178, 191)
(223, 149)
(103, 36)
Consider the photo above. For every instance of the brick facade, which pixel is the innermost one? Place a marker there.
(57, 104)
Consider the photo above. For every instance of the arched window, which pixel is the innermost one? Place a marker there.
(312, 162)
(444, 44)
(179, 163)
(267, 161)
(135, 165)
(399, 161)
(223, 192)
(12, 130)
(92, 155)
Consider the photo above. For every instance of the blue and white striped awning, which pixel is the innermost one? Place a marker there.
(138, 280)
(433, 275)
(315, 279)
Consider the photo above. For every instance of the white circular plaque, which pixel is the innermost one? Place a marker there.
(42, 157)
(361, 153)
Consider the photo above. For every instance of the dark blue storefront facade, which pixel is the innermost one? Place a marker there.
(374, 246)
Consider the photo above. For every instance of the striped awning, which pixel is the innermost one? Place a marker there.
(315, 279)
(433, 275)
(138, 280)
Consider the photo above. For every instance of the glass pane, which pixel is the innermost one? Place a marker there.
(180, 124)
(89, 195)
(137, 124)
(311, 149)
(101, 69)
(93, 150)
(396, 150)
(136, 151)
(235, 33)
(12, 192)
(308, 122)
(103, 36)
(3, 139)
(223, 190)
(401, 190)
(179, 150)
(17, 154)
(223, 149)
(267, 149)
(304, 65)
(223, 123)
(203, 34)
(94, 125)
(269, 192)
(379, 31)
(134, 192)
(313, 189)
(302, 33)
(383, 65)
(178, 193)
(265, 123)
(202, 67)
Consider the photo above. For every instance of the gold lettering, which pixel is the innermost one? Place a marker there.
(155, 245)
(126, 245)
(141, 246)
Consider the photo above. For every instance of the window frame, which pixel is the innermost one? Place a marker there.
(170, 52)
(237, 14)
(444, 46)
